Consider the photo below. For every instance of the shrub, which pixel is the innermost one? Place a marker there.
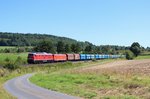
(7, 59)
(11, 66)
(94, 60)
(129, 55)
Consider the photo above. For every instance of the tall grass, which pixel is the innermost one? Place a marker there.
(12, 57)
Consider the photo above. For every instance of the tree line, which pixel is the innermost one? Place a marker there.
(55, 44)
(61, 47)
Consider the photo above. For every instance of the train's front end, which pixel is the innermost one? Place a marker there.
(30, 58)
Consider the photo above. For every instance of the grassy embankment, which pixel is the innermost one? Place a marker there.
(4, 47)
(47, 68)
(13, 57)
(143, 57)
(106, 85)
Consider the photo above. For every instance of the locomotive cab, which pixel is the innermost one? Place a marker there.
(30, 58)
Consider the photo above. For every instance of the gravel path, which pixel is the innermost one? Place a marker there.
(21, 88)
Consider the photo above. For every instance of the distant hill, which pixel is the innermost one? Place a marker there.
(20, 39)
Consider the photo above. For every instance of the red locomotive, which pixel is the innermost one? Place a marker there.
(40, 58)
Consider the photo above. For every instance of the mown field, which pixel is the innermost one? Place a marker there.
(121, 79)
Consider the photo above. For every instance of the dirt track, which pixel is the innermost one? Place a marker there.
(123, 66)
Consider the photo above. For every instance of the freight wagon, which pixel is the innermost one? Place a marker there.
(60, 57)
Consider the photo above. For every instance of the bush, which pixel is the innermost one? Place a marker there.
(129, 55)
(94, 60)
(11, 66)
(7, 59)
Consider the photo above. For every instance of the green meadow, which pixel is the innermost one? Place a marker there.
(12, 57)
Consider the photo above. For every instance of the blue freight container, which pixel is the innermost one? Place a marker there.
(100, 56)
(88, 56)
(108, 56)
(82, 56)
(105, 56)
(97, 56)
(92, 56)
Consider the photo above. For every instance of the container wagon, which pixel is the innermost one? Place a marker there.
(83, 57)
(70, 57)
(60, 57)
(88, 56)
(76, 57)
(92, 56)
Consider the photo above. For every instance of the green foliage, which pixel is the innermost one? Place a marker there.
(136, 48)
(88, 49)
(7, 59)
(45, 46)
(60, 47)
(129, 55)
(11, 66)
(67, 48)
(94, 60)
(76, 48)
(73, 48)
(20, 39)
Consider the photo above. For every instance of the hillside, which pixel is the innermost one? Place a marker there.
(20, 39)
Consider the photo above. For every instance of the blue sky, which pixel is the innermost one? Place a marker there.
(101, 22)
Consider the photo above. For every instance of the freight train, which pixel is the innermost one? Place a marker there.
(43, 57)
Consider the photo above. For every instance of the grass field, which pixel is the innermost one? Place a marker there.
(89, 85)
(8, 47)
(143, 57)
(12, 57)
(4, 47)
(102, 84)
